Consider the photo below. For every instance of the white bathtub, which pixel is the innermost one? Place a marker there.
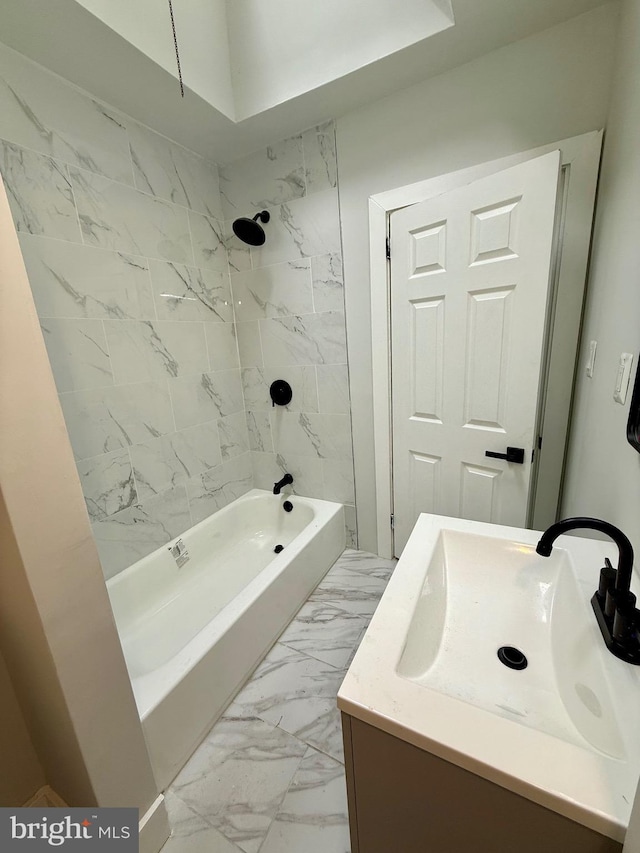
(192, 635)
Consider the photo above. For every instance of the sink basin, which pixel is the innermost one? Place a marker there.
(562, 731)
(483, 593)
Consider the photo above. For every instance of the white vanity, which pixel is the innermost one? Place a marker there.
(449, 748)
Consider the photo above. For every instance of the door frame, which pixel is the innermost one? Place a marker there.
(580, 165)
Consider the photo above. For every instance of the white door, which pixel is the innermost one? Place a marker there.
(470, 273)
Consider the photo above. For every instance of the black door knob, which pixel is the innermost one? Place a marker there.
(513, 454)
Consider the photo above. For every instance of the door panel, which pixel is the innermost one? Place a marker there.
(470, 276)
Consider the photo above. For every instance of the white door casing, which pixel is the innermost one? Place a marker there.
(470, 282)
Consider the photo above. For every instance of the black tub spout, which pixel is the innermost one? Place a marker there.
(285, 481)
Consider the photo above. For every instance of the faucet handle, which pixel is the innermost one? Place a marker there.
(607, 579)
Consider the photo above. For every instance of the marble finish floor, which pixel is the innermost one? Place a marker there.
(269, 777)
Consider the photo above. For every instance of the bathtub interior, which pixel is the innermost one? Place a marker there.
(159, 608)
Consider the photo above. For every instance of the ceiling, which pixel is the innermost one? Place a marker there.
(244, 88)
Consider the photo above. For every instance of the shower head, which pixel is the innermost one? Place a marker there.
(249, 230)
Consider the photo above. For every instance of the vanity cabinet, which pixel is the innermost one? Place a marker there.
(402, 798)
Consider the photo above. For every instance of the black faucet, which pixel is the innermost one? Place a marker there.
(613, 603)
(285, 481)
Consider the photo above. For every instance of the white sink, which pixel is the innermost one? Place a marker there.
(482, 593)
(562, 731)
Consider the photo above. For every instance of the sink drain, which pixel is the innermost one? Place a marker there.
(512, 657)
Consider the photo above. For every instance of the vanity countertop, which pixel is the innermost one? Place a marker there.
(566, 774)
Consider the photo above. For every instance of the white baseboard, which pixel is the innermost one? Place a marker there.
(154, 827)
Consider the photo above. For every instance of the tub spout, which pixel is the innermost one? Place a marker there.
(285, 481)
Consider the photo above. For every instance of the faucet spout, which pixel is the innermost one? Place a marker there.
(285, 481)
(625, 549)
(613, 602)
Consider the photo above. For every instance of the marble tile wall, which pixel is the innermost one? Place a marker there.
(289, 310)
(122, 233)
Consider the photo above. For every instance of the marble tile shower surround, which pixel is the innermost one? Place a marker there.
(269, 776)
(163, 381)
(122, 233)
(289, 310)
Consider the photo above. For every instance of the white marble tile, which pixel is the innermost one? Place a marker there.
(333, 388)
(107, 484)
(266, 178)
(188, 293)
(144, 350)
(313, 816)
(257, 381)
(217, 488)
(209, 242)
(265, 469)
(309, 434)
(338, 481)
(238, 778)
(238, 253)
(301, 229)
(113, 216)
(306, 472)
(324, 632)
(72, 280)
(259, 428)
(222, 345)
(164, 462)
(78, 353)
(328, 291)
(296, 693)
(135, 532)
(321, 168)
(234, 437)
(191, 833)
(169, 171)
(105, 419)
(206, 397)
(309, 339)
(275, 291)
(249, 345)
(45, 114)
(39, 193)
(351, 526)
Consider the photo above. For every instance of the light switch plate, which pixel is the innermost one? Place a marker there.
(622, 377)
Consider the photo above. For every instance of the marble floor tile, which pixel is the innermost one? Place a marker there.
(355, 583)
(239, 776)
(313, 816)
(296, 693)
(324, 632)
(269, 777)
(191, 833)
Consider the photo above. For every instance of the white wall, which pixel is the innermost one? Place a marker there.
(201, 30)
(283, 48)
(603, 475)
(544, 88)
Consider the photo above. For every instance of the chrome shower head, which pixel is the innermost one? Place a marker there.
(249, 230)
